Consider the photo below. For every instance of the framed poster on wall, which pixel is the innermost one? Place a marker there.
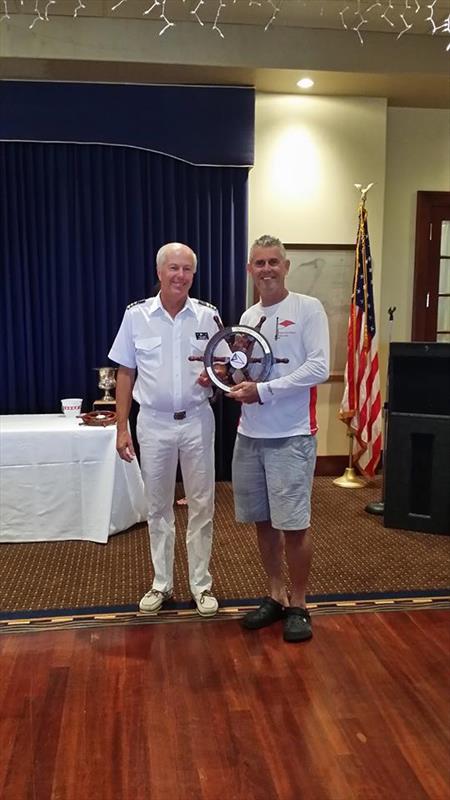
(326, 272)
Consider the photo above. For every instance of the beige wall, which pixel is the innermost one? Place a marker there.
(309, 153)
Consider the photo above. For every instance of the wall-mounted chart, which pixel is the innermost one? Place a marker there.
(326, 272)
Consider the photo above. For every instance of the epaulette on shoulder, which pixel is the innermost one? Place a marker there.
(135, 303)
(204, 303)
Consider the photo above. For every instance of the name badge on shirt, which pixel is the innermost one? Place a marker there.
(201, 335)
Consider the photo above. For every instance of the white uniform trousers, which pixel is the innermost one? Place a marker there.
(163, 441)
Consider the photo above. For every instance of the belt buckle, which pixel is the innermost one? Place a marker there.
(179, 415)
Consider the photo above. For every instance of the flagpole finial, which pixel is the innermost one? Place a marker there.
(362, 191)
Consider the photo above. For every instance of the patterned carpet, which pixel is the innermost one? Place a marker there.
(355, 557)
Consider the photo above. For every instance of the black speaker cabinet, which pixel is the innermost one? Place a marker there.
(417, 457)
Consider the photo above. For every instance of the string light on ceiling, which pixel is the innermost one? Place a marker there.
(397, 16)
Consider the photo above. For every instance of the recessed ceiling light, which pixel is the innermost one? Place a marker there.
(305, 83)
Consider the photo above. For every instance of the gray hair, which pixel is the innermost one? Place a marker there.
(268, 241)
(163, 253)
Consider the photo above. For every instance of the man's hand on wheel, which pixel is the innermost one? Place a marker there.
(245, 392)
(221, 371)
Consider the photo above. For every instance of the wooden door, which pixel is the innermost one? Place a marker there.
(431, 301)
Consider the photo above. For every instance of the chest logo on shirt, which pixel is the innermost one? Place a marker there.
(285, 323)
(201, 335)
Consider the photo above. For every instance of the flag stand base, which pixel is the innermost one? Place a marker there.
(375, 508)
(350, 480)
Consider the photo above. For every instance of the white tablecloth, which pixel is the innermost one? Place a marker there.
(63, 480)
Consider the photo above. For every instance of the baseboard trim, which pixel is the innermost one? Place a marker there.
(331, 465)
(335, 465)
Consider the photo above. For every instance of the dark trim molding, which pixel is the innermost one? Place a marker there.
(331, 465)
(335, 465)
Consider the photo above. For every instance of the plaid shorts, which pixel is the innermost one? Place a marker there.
(272, 480)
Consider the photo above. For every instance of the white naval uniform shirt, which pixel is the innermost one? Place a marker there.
(297, 329)
(159, 346)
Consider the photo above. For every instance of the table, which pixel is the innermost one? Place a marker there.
(63, 480)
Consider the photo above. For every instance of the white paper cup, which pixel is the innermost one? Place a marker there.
(71, 406)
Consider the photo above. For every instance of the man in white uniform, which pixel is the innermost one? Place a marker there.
(275, 449)
(175, 420)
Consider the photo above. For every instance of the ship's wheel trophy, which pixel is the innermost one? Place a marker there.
(249, 355)
(107, 382)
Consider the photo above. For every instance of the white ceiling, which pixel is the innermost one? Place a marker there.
(304, 37)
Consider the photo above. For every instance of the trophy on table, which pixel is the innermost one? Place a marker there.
(104, 410)
(107, 382)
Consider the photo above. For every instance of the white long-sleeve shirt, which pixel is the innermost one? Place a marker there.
(297, 329)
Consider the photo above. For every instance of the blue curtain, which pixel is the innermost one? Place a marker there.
(80, 227)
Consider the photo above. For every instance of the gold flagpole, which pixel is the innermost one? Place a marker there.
(350, 480)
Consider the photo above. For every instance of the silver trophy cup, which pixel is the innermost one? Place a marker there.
(107, 382)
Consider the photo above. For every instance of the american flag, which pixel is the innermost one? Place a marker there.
(361, 403)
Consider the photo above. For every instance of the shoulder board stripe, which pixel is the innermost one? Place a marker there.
(204, 303)
(136, 303)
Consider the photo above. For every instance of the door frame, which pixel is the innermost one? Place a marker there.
(431, 206)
